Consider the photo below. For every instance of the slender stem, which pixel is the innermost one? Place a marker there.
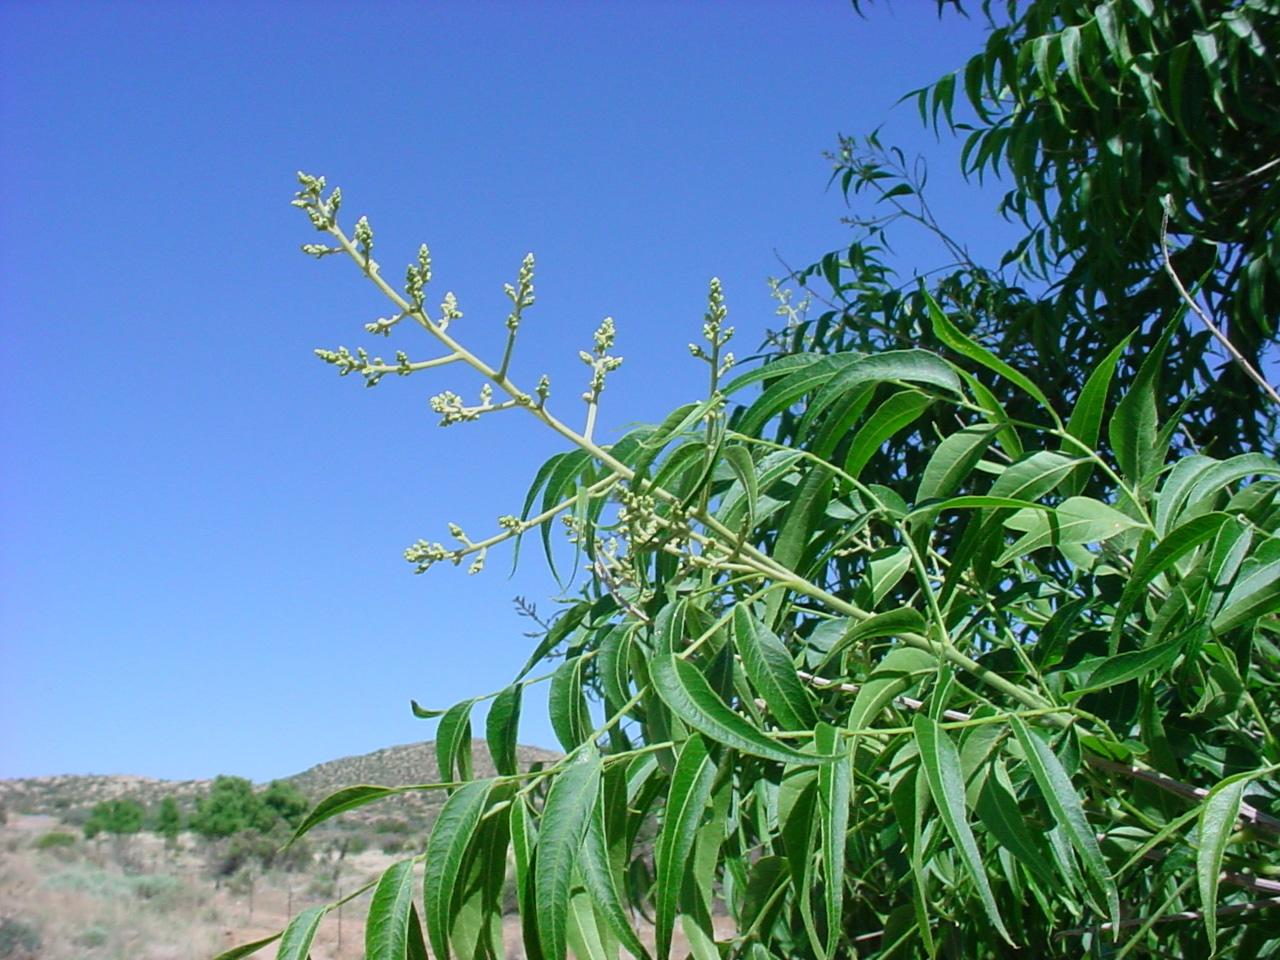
(1241, 361)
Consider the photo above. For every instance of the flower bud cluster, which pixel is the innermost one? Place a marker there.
(520, 295)
(364, 239)
(639, 515)
(449, 310)
(417, 276)
(322, 213)
(714, 330)
(319, 250)
(451, 409)
(599, 361)
(425, 555)
(383, 325)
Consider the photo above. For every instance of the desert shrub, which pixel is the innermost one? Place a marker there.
(92, 880)
(55, 839)
(115, 816)
(93, 936)
(391, 845)
(19, 940)
(161, 889)
(246, 848)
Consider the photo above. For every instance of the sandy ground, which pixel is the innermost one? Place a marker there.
(133, 900)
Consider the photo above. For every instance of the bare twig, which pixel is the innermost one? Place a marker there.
(1182, 917)
(1249, 814)
(1236, 355)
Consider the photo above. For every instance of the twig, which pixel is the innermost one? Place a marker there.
(1218, 335)
(1250, 814)
(1183, 917)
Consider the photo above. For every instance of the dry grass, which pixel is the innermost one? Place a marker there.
(133, 900)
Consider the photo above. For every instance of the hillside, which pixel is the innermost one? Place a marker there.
(65, 795)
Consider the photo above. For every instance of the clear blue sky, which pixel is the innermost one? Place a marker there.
(202, 525)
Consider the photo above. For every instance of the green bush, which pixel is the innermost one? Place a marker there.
(93, 936)
(55, 839)
(115, 816)
(19, 940)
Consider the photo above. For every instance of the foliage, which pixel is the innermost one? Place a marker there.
(1022, 695)
(884, 646)
(168, 819)
(115, 816)
(232, 806)
(285, 801)
(1104, 117)
(55, 839)
(18, 939)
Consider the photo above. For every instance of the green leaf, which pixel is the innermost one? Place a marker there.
(597, 877)
(941, 762)
(453, 742)
(997, 808)
(1256, 591)
(1180, 542)
(891, 623)
(247, 949)
(1085, 422)
(1130, 666)
(446, 848)
(1133, 427)
(904, 366)
(564, 820)
(567, 705)
(582, 933)
(685, 690)
(885, 569)
(1033, 476)
(386, 931)
(892, 676)
(952, 462)
(835, 788)
(701, 946)
(523, 841)
(502, 728)
(1071, 54)
(1218, 816)
(744, 468)
(773, 467)
(1076, 520)
(996, 415)
(612, 667)
(1060, 796)
(951, 335)
(798, 525)
(417, 946)
(348, 798)
(897, 412)
(789, 389)
(560, 486)
(772, 672)
(687, 800)
(422, 713)
(295, 942)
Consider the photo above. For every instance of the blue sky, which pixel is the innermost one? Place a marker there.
(202, 525)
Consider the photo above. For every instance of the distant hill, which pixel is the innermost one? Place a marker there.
(67, 795)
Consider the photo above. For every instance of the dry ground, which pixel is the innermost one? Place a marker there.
(132, 899)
